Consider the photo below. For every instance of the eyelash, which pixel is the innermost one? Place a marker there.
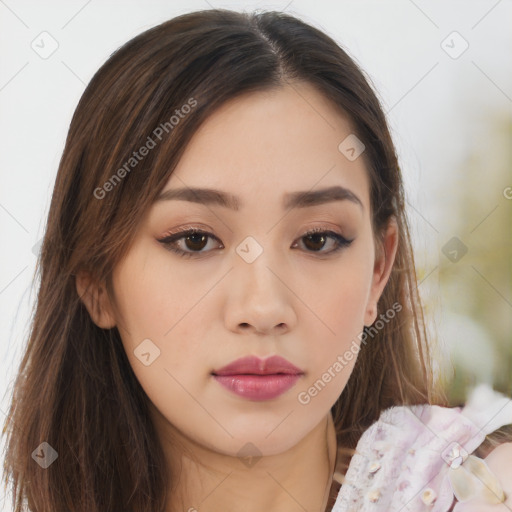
(170, 240)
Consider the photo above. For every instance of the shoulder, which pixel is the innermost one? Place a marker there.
(412, 444)
(401, 451)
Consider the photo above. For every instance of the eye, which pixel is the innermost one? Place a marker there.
(194, 240)
(316, 238)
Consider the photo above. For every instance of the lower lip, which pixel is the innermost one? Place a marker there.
(258, 387)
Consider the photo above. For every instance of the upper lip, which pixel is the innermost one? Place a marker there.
(252, 365)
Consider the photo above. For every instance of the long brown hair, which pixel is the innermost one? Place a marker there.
(75, 388)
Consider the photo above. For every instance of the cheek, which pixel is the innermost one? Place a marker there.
(155, 299)
(336, 294)
(160, 304)
(330, 367)
(335, 307)
(158, 316)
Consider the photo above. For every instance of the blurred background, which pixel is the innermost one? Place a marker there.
(443, 73)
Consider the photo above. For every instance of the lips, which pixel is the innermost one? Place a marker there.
(252, 365)
(258, 379)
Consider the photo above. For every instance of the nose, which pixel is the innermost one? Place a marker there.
(260, 298)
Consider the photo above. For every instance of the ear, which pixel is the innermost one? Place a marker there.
(382, 270)
(94, 297)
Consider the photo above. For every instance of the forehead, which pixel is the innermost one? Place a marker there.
(269, 143)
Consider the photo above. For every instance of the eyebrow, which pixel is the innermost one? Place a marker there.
(290, 200)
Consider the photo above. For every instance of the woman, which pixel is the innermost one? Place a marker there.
(228, 300)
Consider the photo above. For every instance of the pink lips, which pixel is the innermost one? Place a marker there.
(258, 379)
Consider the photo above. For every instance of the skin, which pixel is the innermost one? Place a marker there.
(205, 311)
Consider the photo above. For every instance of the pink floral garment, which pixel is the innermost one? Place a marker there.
(413, 458)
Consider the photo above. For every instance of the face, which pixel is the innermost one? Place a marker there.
(252, 281)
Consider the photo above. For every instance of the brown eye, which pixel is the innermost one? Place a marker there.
(316, 239)
(315, 242)
(194, 241)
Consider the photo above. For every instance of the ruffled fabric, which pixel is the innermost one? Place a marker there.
(403, 460)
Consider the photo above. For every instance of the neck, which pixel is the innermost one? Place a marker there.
(295, 480)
